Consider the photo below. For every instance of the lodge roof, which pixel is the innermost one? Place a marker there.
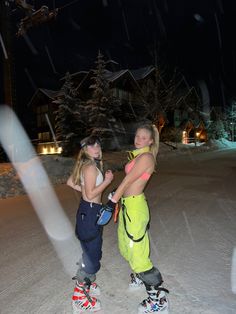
(141, 73)
(50, 93)
(76, 74)
(112, 76)
(135, 74)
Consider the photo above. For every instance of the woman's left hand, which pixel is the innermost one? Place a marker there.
(109, 175)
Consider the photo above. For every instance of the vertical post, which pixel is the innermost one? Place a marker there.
(7, 67)
(232, 123)
(6, 46)
(233, 118)
(51, 129)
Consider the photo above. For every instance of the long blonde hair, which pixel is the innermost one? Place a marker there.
(84, 159)
(154, 147)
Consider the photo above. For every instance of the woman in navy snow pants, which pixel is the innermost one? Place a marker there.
(90, 235)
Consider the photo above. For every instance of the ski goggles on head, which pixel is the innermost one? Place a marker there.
(90, 140)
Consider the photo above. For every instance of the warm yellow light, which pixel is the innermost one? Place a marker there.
(197, 134)
(184, 137)
(49, 148)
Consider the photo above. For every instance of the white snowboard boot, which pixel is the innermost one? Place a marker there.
(156, 302)
(136, 283)
(93, 289)
(82, 302)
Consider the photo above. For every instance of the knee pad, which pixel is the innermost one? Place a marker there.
(151, 277)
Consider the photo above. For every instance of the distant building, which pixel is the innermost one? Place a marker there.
(129, 87)
(125, 85)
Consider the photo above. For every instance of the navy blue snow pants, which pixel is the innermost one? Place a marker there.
(90, 235)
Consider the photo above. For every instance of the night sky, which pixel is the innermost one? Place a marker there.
(196, 36)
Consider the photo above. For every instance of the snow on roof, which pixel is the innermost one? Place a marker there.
(137, 74)
(112, 76)
(79, 73)
(50, 93)
(141, 73)
(47, 92)
(109, 76)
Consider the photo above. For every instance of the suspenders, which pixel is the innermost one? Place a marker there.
(124, 211)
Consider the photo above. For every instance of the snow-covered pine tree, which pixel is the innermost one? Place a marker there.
(70, 123)
(102, 106)
(216, 128)
(230, 120)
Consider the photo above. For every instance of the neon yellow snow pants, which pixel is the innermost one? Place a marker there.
(133, 238)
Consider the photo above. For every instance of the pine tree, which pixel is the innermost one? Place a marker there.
(230, 120)
(70, 121)
(216, 128)
(102, 106)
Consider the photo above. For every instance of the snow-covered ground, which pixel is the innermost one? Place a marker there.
(193, 238)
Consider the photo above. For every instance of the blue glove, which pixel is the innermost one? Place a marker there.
(106, 213)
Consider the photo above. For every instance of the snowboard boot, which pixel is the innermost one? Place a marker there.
(92, 289)
(156, 302)
(136, 283)
(82, 302)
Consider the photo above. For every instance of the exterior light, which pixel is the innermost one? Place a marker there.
(184, 137)
(49, 148)
(45, 150)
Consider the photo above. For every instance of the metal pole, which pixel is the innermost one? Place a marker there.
(232, 121)
(51, 129)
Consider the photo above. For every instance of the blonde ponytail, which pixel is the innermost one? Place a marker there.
(156, 140)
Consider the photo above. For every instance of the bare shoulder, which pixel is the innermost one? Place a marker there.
(147, 156)
(89, 168)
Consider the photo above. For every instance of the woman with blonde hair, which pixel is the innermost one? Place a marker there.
(133, 237)
(88, 178)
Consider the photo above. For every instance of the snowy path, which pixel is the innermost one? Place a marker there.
(193, 235)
